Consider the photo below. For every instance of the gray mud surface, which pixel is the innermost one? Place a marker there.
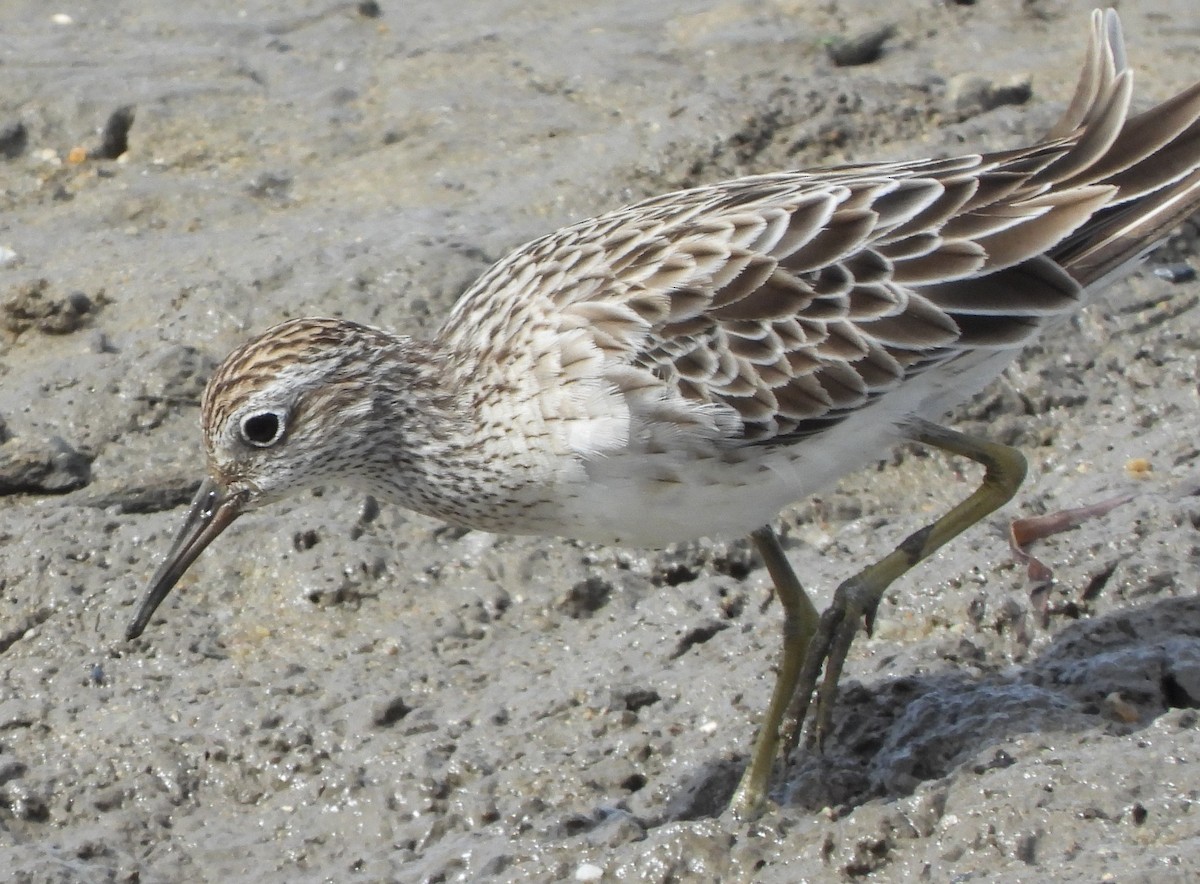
(343, 692)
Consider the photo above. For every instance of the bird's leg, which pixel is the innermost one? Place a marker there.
(857, 599)
(799, 624)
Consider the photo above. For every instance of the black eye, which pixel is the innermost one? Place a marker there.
(262, 429)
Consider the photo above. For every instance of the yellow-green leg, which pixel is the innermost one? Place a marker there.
(799, 623)
(857, 599)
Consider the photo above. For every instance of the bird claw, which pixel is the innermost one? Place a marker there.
(853, 603)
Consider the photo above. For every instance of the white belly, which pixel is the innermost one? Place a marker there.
(655, 500)
(638, 499)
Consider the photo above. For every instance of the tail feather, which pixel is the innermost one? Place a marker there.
(1104, 62)
(1122, 235)
(1172, 159)
(1150, 161)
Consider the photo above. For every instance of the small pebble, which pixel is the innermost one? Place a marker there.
(13, 139)
(1176, 273)
(42, 466)
(270, 185)
(861, 49)
(588, 872)
(1139, 467)
(114, 137)
(1120, 709)
(971, 94)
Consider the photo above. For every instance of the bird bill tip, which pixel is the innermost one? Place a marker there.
(213, 509)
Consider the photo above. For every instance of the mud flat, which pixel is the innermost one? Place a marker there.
(344, 692)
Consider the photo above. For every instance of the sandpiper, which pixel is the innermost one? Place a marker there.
(691, 364)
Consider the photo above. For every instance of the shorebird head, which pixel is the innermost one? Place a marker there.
(288, 409)
(295, 407)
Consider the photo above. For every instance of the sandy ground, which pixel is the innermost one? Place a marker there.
(340, 692)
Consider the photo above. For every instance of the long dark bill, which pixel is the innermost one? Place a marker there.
(212, 511)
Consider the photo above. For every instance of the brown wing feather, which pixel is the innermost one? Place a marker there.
(777, 304)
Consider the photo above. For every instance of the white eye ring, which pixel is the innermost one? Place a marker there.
(262, 429)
